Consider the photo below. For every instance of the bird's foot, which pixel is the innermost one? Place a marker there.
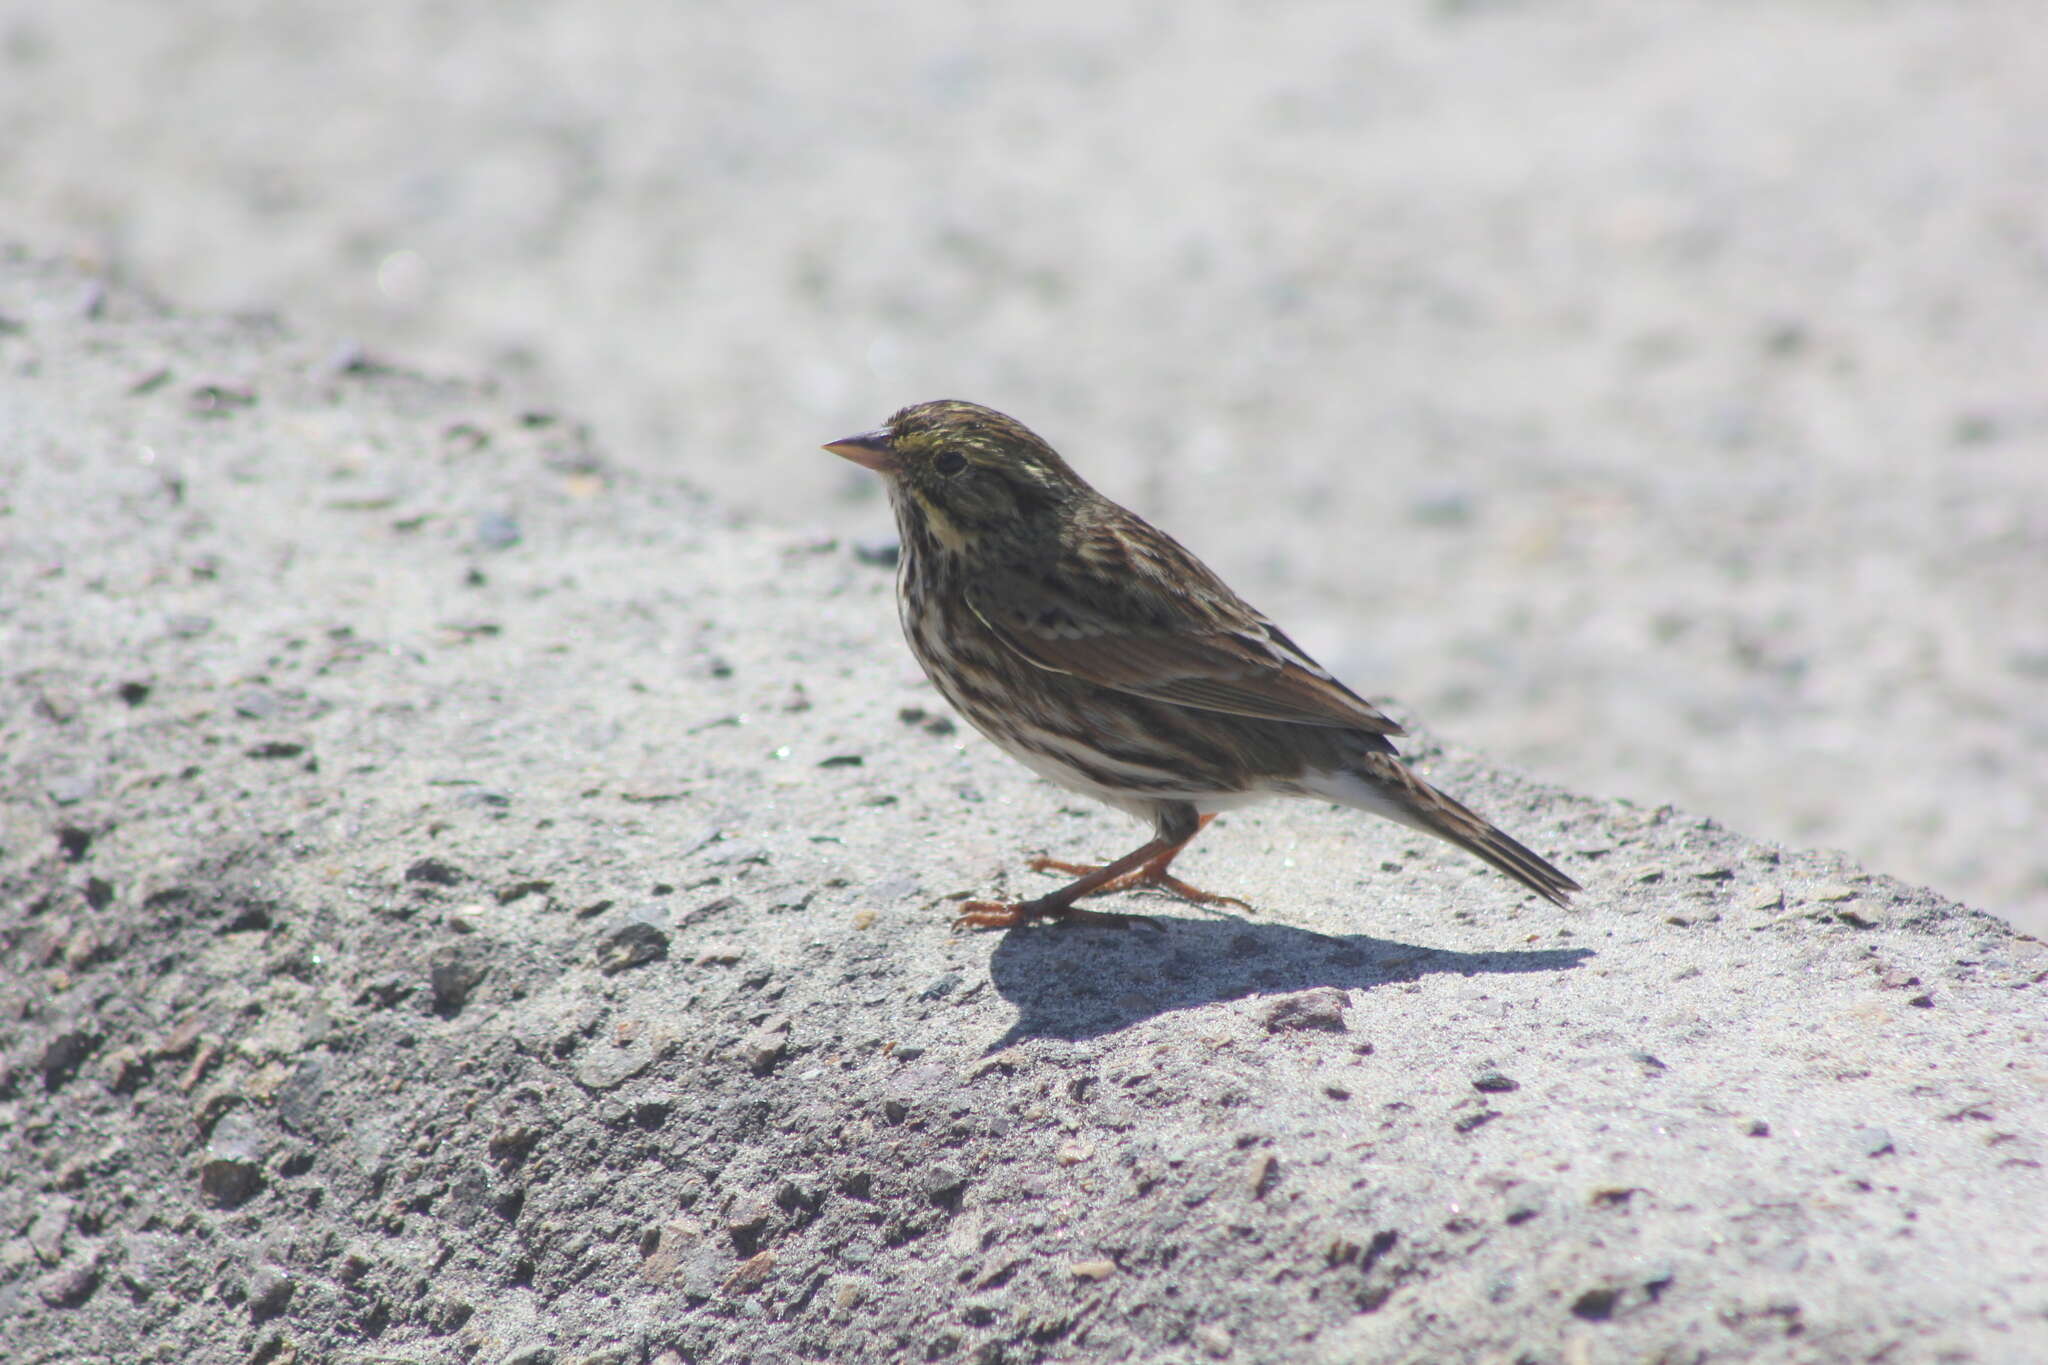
(999, 915)
(1138, 878)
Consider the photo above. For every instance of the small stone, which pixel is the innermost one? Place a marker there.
(302, 1098)
(764, 1047)
(1874, 1142)
(633, 944)
(1756, 1128)
(232, 1170)
(357, 1260)
(183, 1039)
(1860, 914)
(1092, 1270)
(940, 987)
(1494, 1083)
(71, 788)
(497, 530)
(347, 356)
(264, 1083)
(1321, 1009)
(944, 1183)
(64, 1054)
(1261, 1173)
(68, 1288)
(1830, 893)
(1595, 1305)
(997, 1269)
(45, 1235)
(798, 1196)
(203, 1059)
(270, 1290)
(629, 1052)
(258, 703)
(456, 971)
(1074, 1153)
(1764, 898)
(1213, 1341)
(434, 872)
(226, 1180)
(212, 1103)
(216, 398)
(1922, 1001)
(665, 1249)
(750, 1273)
(147, 382)
(275, 748)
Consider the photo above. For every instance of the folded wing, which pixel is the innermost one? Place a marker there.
(1161, 625)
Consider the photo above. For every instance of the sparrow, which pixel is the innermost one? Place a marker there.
(1095, 650)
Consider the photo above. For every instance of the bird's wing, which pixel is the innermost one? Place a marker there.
(1142, 615)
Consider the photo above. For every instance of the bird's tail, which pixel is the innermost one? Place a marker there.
(1382, 784)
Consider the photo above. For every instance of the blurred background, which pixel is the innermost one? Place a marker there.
(1655, 397)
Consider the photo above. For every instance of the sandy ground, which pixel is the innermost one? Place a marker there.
(463, 899)
(1650, 396)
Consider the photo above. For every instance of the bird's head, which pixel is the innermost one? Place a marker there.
(965, 471)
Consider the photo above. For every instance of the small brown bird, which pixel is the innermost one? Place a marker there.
(1096, 651)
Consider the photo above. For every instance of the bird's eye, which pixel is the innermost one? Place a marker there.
(949, 462)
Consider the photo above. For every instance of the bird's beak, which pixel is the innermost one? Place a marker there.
(876, 449)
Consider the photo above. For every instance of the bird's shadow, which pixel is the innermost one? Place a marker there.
(1078, 981)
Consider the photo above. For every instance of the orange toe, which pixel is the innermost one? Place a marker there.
(989, 915)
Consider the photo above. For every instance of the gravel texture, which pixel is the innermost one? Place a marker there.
(1650, 394)
(465, 897)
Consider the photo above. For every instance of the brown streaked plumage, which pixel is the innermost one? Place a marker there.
(1095, 650)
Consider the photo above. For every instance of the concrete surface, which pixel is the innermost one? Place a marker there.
(465, 897)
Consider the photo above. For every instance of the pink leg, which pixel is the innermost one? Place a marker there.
(1144, 867)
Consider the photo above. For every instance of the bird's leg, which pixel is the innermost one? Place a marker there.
(996, 915)
(1152, 873)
